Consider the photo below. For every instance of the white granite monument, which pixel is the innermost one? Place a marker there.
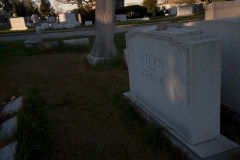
(175, 78)
(228, 30)
(228, 9)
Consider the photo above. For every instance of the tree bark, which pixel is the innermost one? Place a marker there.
(105, 25)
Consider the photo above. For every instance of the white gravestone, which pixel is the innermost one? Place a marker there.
(34, 18)
(120, 17)
(18, 23)
(52, 19)
(173, 11)
(145, 18)
(185, 10)
(228, 9)
(56, 25)
(175, 77)
(228, 30)
(68, 18)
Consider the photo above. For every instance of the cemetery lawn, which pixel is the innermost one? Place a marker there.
(74, 111)
(6, 29)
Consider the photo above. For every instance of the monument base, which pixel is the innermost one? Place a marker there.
(96, 60)
(22, 28)
(220, 148)
(184, 15)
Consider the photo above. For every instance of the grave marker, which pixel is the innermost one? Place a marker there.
(18, 23)
(217, 10)
(68, 18)
(175, 77)
(185, 10)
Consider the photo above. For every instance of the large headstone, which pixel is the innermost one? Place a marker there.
(56, 25)
(228, 9)
(228, 30)
(175, 77)
(185, 10)
(68, 18)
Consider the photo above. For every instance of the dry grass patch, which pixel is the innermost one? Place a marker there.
(88, 117)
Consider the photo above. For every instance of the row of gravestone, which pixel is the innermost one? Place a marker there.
(66, 20)
(181, 10)
(180, 76)
(8, 128)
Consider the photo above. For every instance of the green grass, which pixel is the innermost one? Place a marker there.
(72, 110)
(6, 29)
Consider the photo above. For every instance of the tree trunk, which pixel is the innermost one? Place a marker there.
(103, 47)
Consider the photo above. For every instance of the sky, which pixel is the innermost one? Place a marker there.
(67, 7)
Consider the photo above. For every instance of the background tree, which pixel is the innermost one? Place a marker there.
(45, 7)
(7, 5)
(103, 46)
(150, 5)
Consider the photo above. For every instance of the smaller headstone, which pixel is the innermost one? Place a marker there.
(35, 18)
(77, 23)
(52, 19)
(39, 36)
(87, 23)
(18, 23)
(120, 17)
(75, 42)
(185, 10)
(67, 18)
(56, 26)
(8, 127)
(12, 106)
(137, 19)
(145, 18)
(8, 152)
(69, 26)
(45, 25)
(161, 26)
